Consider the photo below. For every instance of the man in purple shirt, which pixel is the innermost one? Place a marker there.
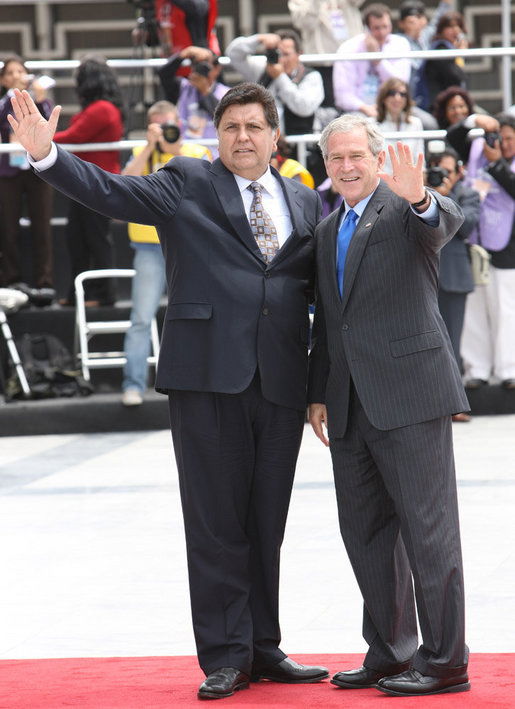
(356, 82)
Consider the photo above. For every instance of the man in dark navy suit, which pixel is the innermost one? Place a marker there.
(239, 250)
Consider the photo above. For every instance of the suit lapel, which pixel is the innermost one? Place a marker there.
(229, 196)
(359, 243)
(327, 253)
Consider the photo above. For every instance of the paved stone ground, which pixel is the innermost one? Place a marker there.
(92, 557)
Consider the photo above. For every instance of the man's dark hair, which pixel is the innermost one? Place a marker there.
(436, 158)
(506, 119)
(291, 34)
(244, 93)
(378, 10)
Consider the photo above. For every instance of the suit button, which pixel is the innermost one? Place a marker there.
(265, 311)
(345, 327)
(267, 274)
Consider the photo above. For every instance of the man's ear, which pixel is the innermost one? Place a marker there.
(381, 159)
(277, 135)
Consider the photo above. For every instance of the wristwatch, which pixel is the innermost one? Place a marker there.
(422, 201)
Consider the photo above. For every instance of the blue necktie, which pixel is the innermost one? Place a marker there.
(344, 237)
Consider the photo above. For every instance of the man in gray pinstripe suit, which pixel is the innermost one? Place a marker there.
(385, 382)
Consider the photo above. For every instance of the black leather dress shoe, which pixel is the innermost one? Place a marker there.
(475, 383)
(291, 672)
(508, 384)
(223, 683)
(364, 677)
(413, 684)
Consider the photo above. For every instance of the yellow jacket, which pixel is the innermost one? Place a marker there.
(294, 169)
(143, 233)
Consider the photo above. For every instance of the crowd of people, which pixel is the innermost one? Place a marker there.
(407, 95)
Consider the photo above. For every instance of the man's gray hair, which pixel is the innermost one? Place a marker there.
(348, 123)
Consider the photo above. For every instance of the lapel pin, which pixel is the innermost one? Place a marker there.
(369, 224)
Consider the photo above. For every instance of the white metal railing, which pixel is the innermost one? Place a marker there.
(505, 53)
(302, 141)
(67, 64)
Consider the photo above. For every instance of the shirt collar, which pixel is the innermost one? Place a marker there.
(359, 208)
(267, 180)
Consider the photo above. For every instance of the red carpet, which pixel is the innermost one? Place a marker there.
(159, 682)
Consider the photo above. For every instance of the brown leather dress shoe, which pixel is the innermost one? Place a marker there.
(223, 683)
(364, 677)
(413, 684)
(291, 672)
(462, 417)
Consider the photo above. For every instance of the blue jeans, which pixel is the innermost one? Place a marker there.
(148, 285)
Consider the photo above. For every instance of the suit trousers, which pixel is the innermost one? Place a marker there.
(39, 206)
(397, 505)
(236, 457)
(452, 310)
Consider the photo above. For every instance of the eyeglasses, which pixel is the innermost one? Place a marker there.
(394, 92)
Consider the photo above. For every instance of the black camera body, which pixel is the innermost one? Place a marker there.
(436, 176)
(171, 132)
(491, 137)
(272, 56)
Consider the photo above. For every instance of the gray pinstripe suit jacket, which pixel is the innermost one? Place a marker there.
(386, 333)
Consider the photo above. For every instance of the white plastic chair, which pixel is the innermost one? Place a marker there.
(86, 329)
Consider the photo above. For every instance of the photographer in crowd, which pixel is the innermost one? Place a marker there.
(164, 142)
(488, 342)
(298, 90)
(445, 175)
(197, 96)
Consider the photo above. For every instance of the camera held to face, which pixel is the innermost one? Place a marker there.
(272, 56)
(491, 137)
(171, 132)
(436, 175)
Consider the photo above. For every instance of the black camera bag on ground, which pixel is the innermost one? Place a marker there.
(49, 367)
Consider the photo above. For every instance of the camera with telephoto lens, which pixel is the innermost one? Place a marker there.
(272, 56)
(436, 176)
(491, 137)
(147, 24)
(171, 131)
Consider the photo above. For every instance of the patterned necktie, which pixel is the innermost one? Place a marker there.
(262, 225)
(344, 237)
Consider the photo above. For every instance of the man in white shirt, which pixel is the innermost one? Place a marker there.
(297, 89)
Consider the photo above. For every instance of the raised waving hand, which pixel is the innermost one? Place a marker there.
(29, 127)
(407, 178)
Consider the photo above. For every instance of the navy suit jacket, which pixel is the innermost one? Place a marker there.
(228, 311)
(455, 268)
(386, 334)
